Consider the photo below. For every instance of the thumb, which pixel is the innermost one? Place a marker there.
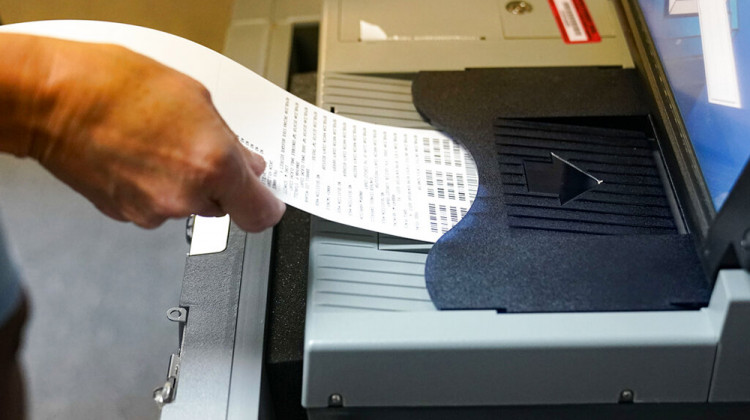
(255, 161)
(250, 203)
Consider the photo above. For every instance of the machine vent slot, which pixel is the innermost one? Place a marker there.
(355, 270)
(630, 200)
(354, 275)
(375, 99)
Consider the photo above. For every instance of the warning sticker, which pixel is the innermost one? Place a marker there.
(575, 22)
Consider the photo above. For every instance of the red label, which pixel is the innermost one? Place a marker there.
(574, 21)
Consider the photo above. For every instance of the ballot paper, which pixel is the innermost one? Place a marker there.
(412, 183)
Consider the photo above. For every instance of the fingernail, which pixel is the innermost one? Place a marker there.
(258, 158)
(257, 163)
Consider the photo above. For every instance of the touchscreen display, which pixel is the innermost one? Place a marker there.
(704, 46)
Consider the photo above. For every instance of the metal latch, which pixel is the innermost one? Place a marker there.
(165, 394)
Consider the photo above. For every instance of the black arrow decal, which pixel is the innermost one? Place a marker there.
(559, 177)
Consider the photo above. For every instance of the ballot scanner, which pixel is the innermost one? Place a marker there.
(618, 290)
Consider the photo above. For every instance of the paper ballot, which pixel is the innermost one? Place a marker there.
(406, 182)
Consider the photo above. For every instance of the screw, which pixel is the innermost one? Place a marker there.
(335, 400)
(626, 396)
(518, 7)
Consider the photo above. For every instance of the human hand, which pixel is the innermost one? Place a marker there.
(141, 141)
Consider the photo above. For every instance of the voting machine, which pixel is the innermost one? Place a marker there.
(601, 271)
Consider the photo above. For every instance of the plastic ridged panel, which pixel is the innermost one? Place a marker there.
(375, 99)
(348, 272)
(630, 200)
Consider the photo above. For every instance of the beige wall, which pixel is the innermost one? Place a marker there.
(204, 21)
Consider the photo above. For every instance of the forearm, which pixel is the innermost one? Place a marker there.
(23, 101)
(54, 90)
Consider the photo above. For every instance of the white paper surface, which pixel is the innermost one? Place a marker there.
(405, 182)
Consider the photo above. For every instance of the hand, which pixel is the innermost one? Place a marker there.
(143, 142)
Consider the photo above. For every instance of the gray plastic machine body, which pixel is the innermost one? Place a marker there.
(373, 337)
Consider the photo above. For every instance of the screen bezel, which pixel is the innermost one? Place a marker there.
(679, 156)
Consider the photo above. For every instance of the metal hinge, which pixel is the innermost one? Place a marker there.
(165, 394)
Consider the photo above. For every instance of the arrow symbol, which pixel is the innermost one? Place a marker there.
(559, 177)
